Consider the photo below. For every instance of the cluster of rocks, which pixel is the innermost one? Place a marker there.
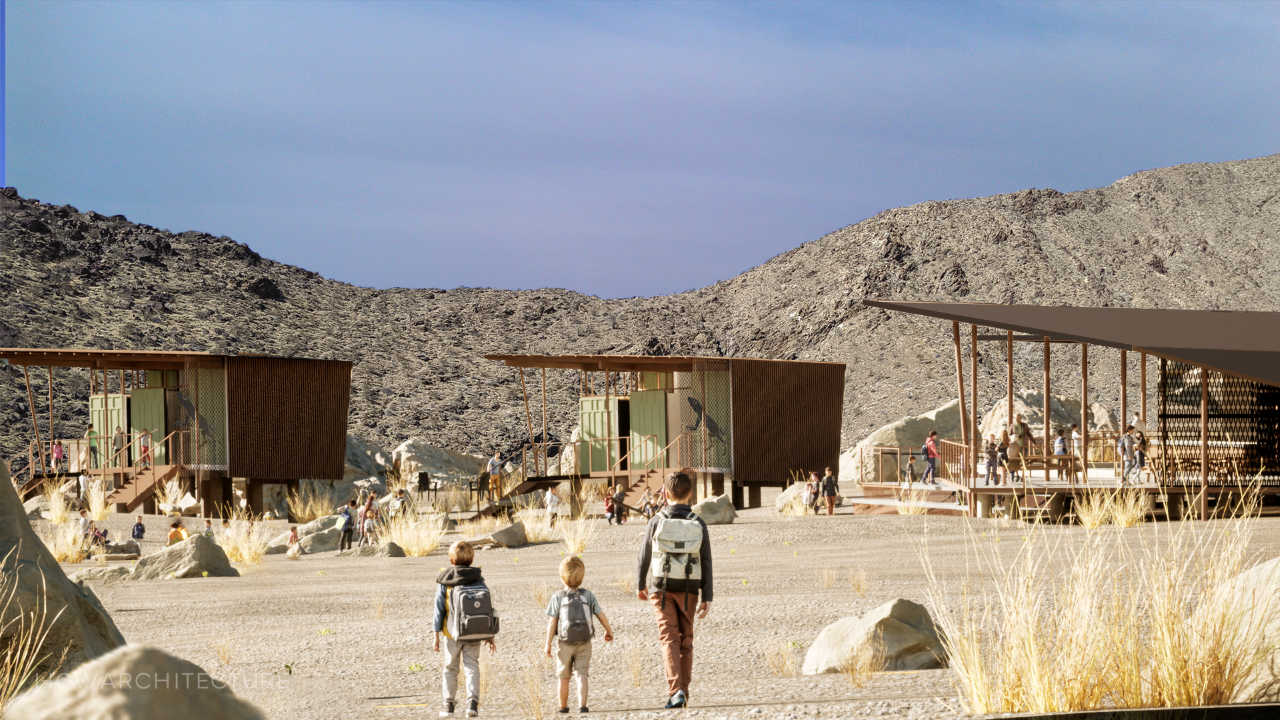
(1192, 236)
(197, 556)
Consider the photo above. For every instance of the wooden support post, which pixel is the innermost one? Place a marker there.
(1009, 355)
(51, 437)
(1084, 411)
(1048, 424)
(1124, 389)
(964, 415)
(1204, 443)
(1142, 379)
(35, 425)
(545, 446)
(608, 429)
(528, 418)
(973, 409)
(704, 419)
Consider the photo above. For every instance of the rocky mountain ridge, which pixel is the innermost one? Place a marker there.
(1198, 236)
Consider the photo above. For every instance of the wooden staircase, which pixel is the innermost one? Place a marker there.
(138, 484)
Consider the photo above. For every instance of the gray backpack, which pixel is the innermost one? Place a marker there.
(675, 554)
(471, 613)
(575, 624)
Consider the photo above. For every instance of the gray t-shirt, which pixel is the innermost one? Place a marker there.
(553, 607)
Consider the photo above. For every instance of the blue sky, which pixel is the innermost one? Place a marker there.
(615, 149)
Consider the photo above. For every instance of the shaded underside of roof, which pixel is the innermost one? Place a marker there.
(1246, 344)
(114, 359)
(622, 363)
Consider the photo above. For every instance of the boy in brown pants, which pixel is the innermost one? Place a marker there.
(674, 568)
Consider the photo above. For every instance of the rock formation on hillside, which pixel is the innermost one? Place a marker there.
(1190, 236)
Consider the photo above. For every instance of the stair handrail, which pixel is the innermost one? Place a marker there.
(663, 453)
(617, 466)
(152, 465)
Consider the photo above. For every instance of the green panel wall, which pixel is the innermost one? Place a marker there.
(648, 417)
(597, 420)
(106, 413)
(146, 412)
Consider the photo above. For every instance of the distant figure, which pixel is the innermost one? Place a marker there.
(495, 470)
(1140, 453)
(364, 513)
(97, 536)
(117, 447)
(1019, 437)
(207, 530)
(176, 533)
(1137, 423)
(809, 490)
(1075, 440)
(399, 505)
(92, 436)
(370, 527)
(619, 504)
(84, 524)
(830, 491)
(552, 502)
(608, 510)
(347, 525)
(1128, 447)
(1006, 472)
(139, 530)
(930, 454)
(992, 449)
(144, 448)
(83, 481)
(646, 504)
(1060, 448)
(226, 530)
(293, 536)
(59, 454)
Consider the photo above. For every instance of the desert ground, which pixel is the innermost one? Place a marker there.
(328, 637)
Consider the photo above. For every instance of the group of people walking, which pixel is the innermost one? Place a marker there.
(820, 492)
(1004, 454)
(673, 575)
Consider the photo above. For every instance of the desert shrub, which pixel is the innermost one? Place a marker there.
(781, 659)
(576, 534)
(59, 506)
(418, 538)
(858, 582)
(912, 498)
(861, 662)
(312, 502)
(247, 541)
(99, 508)
(1092, 509)
(65, 543)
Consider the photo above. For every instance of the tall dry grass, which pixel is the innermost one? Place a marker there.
(311, 502)
(1092, 509)
(538, 527)
(577, 535)
(418, 538)
(168, 493)
(858, 582)
(540, 592)
(912, 498)
(223, 649)
(827, 578)
(25, 632)
(59, 507)
(65, 543)
(860, 663)
(637, 665)
(795, 508)
(529, 683)
(1051, 625)
(247, 541)
(780, 657)
(99, 508)
(1128, 508)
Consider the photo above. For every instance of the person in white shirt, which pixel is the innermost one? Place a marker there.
(84, 485)
(84, 524)
(553, 502)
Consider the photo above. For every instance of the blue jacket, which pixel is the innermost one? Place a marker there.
(139, 530)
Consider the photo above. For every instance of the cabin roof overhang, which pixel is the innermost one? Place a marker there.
(622, 363)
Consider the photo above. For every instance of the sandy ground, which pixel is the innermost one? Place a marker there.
(329, 637)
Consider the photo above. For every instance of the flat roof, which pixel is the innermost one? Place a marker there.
(1245, 344)
(623, 363)
(114, 359)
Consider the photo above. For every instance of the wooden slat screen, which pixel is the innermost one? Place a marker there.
(786, 416)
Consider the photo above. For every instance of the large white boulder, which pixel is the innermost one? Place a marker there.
(389, 550)
(109, 574)
(78, 622)
(35, 507)
(786, 496)
(908, 639)
(1257, 588)
(364, 459)
(716, 510)
(1062, 412)
(197, 556)
(415, 455)
(319, 535)
(134, 682)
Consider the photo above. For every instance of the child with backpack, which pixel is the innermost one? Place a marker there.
(465, 614)
(674, 569)
(571, 611)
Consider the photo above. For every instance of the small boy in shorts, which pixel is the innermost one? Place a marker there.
(571, 611)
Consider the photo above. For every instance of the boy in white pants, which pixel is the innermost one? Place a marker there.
(461, 626)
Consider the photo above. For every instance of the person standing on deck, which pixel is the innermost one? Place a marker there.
(117, 447)
(930, 452)
(1128, 443)
(92, 436)
(1019, 438)
(1060, 448)
(992, 449)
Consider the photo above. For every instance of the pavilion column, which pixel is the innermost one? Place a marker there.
(964, 415)
(35, 424)
(973, 409)
(546, 447)
(1009, 357)
(528, 419)
(1084, 411)
(1204, 443)
(1124, 389)
(1142, 380)
(1048, 425)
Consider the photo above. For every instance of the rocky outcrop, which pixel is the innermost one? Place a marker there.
(1063, 411)
(1257, 592)
(389, 550)
(364, 459)
(135, 682)
(197, 556)
(716, 510)
(901, 632)
(416, 455)
(319, 535)
(115, 573)
(79, 623)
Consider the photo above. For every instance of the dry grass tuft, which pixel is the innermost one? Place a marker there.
(861, 663)
(781, 659)
(59, 507)
(168, 493)
(379, 608)
(223, 648)
(65, 543)
(541, 593)
(479, 526)
(795, 508)
(418, 538)
(577, 534)
(530, 684)
(25, 632)
(827, 578)
(1128, 508)
(538, 527)
(247, 542)
(99, 508)
(626, 583)
(1093, 509)
(1130, 622)
(858, 582)
(311, 502)
(636, 665)
(912, 498)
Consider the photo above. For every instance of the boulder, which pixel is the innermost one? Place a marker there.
(908, 638)
(1062, 412)
(364, 460)
(510, 536)
(115, 573)
(716, 510)
(319, 535)
(389, 550)
(35, 506)
(109, 557)
(416, 455)
(128, 547)
(77, 621)
(188, 506)
(786, 496)
(193, 557)
(1259, 586)
(123, 684)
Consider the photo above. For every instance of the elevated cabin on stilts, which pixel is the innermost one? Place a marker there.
(1217, 425)
(207, 421)
(738, 424)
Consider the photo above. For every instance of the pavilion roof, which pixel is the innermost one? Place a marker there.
(623, 363)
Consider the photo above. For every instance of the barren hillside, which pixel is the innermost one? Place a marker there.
(1190, 236)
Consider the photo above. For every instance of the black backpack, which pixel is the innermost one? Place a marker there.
(471, 612)
(575, 624)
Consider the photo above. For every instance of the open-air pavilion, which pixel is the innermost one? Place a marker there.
(204, 420)
(1216, 430)
(740, 424)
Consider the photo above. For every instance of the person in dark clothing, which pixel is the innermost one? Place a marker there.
(348, 525)
(461, 655)
(139, 529)
(671, 593)
(830, 491)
